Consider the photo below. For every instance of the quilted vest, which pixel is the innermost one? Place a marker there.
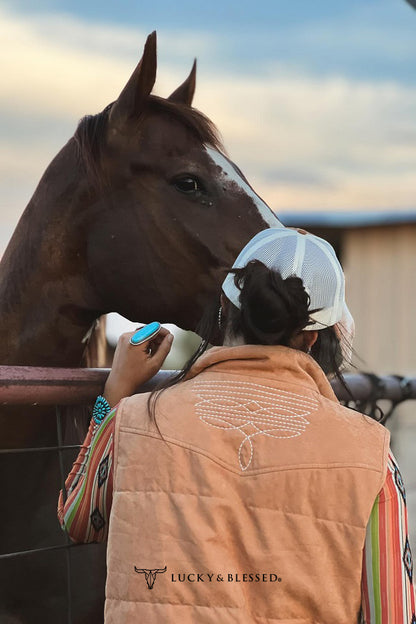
(246, 500)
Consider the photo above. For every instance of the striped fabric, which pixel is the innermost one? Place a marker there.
(388, 591)
(89, 486)
(387, 583)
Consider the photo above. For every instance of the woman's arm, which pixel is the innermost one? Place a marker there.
(85, 512)
(387, 585)
(89, 486)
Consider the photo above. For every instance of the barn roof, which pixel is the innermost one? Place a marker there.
(348, 219)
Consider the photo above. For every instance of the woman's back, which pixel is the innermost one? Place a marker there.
(262, 485)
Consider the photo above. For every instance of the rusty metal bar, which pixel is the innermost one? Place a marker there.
(27, 385)
(32, 385)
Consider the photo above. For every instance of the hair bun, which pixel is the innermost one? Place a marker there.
(273, 309)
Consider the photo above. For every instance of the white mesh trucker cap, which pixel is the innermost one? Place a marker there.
(303, 255)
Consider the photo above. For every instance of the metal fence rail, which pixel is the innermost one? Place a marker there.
(30, 385)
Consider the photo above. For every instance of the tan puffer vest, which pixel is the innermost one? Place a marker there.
(254, 505)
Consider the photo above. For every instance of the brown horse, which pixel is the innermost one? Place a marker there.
(137, 214)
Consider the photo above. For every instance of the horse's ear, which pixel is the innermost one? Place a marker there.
(138, 88)
(185, 93)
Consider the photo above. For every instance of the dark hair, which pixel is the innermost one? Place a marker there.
(273, 310)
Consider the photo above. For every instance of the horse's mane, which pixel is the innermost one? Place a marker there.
(91, 131)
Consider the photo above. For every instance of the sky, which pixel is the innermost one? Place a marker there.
(315, 99)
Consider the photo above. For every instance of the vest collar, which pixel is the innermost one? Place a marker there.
(269, 361)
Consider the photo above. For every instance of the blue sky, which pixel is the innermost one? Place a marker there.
(316, 100)
(360, 38)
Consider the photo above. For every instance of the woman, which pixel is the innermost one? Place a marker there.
(246, 493)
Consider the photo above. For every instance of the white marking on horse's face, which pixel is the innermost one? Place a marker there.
(229, 174)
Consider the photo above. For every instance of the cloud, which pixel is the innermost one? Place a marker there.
(342, 143)
(66, 66)
(304, 141)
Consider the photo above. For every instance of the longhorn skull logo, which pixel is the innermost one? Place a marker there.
(150, 575)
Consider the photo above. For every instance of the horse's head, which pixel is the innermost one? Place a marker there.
(170, 209)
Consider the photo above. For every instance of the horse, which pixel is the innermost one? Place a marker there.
(138, 213)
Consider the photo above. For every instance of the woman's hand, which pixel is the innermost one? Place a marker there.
(133, 365)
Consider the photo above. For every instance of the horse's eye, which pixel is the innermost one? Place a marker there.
(187, 184)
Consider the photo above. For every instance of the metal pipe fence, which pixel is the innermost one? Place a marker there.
(26, 386)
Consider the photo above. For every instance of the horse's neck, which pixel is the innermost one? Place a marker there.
(46, 303)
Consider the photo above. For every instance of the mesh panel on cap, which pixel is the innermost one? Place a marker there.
(320, 281)
(263, 247)
(279, 248)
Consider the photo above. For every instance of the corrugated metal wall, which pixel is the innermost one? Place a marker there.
(380, 268)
